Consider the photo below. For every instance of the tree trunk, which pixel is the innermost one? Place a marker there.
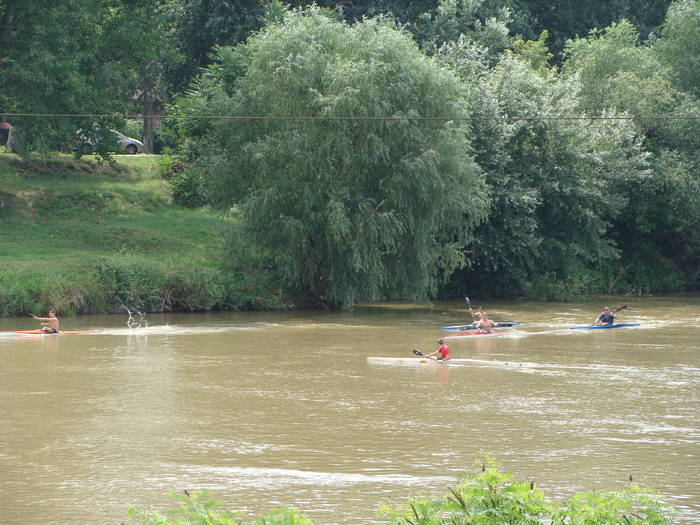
(6, 20)
(149, 125)
(152, 107)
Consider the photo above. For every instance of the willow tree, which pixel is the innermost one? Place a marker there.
(358, 185)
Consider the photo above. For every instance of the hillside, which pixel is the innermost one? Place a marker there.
(89, 237)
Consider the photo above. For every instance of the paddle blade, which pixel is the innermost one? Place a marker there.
(466, 300)
(621, 307)
(418, 352)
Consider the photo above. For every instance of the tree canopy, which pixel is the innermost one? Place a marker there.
(352, 197)
(395, 149)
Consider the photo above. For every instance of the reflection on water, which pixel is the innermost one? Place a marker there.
(273, 409)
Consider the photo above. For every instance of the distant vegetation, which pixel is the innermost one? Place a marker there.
(325, 155)
(490, 497)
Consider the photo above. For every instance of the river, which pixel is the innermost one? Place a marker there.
(268, 409)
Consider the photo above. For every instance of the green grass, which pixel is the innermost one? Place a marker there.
(61, 212)
(84, 236)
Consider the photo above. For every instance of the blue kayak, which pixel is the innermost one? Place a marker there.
(600, 326)
(473, 326)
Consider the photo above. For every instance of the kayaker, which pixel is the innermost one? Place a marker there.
(51, 324)
(605, 317)
(443, 350)
(483, 323)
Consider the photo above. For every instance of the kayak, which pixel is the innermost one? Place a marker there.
(478, 333)
(473, 326)
(426, 361)
(601, 326)
(39, 332)
(412, 360)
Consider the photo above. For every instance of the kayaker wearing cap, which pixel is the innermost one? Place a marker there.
(605, 317)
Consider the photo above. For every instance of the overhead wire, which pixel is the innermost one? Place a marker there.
(331, 117)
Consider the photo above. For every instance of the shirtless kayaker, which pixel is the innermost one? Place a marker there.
(483, 322)
(51, 324)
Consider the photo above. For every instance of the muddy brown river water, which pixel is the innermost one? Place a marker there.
(268, 409)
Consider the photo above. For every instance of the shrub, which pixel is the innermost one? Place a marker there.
(197, 508)
(67, 294)
(549, 287)
(187, 188)
(492, 497)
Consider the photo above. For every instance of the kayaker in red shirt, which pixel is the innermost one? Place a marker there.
(443, 350)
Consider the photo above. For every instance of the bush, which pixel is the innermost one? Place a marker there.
(139, 284)
(197, 508)
(67, 294)
(159, 286)
(548, 287)
(491, 497)
(253, 282)
(187, 188)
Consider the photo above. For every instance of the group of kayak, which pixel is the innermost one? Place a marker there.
(483, 326)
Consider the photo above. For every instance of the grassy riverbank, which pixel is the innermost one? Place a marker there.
(89, 237)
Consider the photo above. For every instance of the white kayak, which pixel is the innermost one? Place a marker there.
(427, 361)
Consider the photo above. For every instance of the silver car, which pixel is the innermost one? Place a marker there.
(128, 144)
(123, 143)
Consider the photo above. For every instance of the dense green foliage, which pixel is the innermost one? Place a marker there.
(490, 497)
(562, 158)
(551, 180)
(78, 57)
(348, 209)
(570, 199)
(657, 228)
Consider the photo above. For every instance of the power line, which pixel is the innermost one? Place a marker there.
(320, 117)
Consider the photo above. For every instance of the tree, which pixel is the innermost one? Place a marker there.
(549, 179)
(352, 199)
(199, 26)
(61, 67)
(143, 44)
(458, 19)
(80, 57)
(570, 19)
(658, 228)
(679, 45)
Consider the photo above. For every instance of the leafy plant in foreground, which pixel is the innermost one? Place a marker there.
(492, 497)
(197, 508)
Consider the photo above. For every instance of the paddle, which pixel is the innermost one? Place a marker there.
(469, 305)
(620, 308)
(421, 354)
